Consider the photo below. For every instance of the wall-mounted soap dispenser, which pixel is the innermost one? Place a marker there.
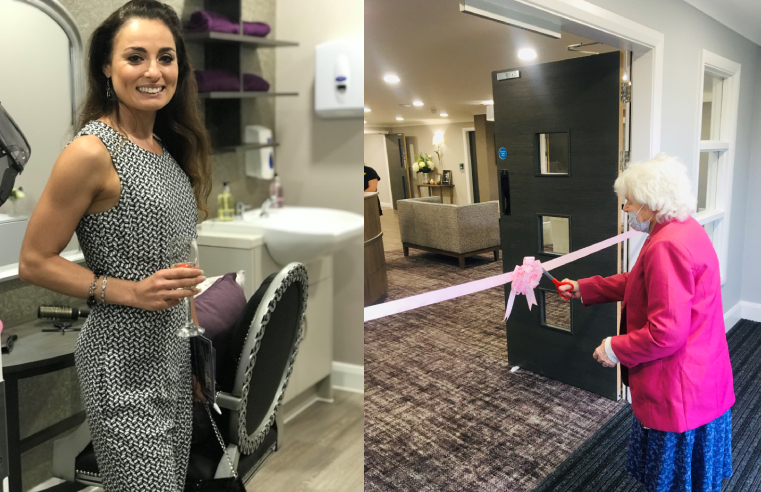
(339, 86)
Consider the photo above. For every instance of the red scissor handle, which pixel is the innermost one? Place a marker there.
(558, 284)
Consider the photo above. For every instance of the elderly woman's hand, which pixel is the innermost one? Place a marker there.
(601, 356)
(573, 294)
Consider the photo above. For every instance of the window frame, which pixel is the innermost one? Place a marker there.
(719, 217)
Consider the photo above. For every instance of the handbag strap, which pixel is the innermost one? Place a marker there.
(221, 441)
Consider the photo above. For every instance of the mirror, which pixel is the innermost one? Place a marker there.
(42, 46)
(553, 153)
(554, 235)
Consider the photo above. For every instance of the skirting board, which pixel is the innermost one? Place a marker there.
(742, 310)
(386, 205)
(348, 377)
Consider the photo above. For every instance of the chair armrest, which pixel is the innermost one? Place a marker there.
(228, 401)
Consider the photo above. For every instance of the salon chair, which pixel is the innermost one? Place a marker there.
(250, 389)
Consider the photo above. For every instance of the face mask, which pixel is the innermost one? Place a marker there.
(638, 226)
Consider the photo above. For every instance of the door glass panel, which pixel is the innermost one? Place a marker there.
(709, 165)
(554, 236)
(556, 312)
(553, 153)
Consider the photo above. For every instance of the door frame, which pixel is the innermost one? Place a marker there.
(646, 44)
(468, 177)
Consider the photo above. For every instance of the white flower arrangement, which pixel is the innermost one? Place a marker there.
(423, 163)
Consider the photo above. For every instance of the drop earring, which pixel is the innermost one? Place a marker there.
(108, 88)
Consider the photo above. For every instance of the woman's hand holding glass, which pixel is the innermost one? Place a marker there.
(167, 288)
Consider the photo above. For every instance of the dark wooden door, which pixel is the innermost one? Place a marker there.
(397, 167)
(569, 111)
(474, 166)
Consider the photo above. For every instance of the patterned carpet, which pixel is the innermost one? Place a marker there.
(443, 412)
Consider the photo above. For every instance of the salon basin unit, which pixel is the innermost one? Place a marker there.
(261, 245)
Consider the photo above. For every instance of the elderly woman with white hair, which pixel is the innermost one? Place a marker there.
(672, 346)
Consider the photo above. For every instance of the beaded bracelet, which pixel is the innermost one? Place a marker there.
(103, 291)
(91, 297)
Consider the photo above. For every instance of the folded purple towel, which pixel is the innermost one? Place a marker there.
(253, 82)
(206, 21)
(259, 29)
(217, 80)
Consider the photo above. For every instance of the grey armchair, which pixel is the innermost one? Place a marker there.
(454, 230)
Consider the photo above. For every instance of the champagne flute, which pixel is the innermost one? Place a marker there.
(183, 252)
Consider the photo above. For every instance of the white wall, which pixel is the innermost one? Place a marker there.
(687, 32)
(376, 157)
(751, 258)
(319, 160)
(453, 154)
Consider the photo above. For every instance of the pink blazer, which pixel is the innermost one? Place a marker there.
(672, 343)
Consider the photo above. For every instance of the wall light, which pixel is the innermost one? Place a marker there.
(391, 79)
(526, 54)
(443, 114)
(399, 118)
(417, 103)
(438, 138)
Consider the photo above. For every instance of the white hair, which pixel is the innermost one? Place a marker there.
(662, 184)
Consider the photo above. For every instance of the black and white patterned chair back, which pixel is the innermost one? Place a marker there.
(269, 332)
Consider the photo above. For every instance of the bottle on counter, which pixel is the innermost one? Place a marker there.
(276, 192)
(225, 204)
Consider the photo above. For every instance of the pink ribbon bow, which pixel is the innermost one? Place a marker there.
(525, 278)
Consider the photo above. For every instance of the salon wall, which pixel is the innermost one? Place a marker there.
(453, 154)
(319, 159)
(687, 32)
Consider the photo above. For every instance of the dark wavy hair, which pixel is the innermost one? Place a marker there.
(178, 124)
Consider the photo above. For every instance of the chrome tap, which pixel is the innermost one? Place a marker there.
(266, 206)
(241, 207)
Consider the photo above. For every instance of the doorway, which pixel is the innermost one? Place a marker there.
(397, 167)
(473, 162)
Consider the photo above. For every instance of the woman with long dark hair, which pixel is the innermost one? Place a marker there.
(134, 177)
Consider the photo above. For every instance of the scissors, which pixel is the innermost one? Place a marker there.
(558, 284)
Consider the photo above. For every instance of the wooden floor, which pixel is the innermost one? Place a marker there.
(323, 450)
(392, 239)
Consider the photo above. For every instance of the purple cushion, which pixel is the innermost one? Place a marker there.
(218, 308)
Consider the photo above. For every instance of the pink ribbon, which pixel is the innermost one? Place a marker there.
(436, 296)
(525, 279)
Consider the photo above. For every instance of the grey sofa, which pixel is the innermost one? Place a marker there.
(454, 230)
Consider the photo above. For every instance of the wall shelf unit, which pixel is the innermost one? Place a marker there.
(222, 51)
(242, 94)
(252, 146)
(222, 37)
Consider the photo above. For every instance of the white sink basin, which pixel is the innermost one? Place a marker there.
(298, 234)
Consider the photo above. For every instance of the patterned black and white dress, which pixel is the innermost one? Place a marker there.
(133, 369)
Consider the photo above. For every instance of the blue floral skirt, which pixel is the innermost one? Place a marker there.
(691, 461)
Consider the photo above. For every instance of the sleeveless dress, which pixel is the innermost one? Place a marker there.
(133, 368)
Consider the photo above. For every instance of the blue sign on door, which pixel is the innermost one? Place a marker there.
(502, 153)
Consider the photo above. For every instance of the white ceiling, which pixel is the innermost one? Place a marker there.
(444, 58)
(742, 16)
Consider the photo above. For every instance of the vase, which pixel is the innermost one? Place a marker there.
(426, 179)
